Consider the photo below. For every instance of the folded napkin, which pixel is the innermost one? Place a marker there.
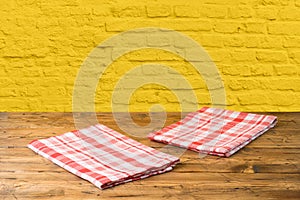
(215, 131)
(103, 156)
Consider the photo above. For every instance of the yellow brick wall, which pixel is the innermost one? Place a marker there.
(254, 43)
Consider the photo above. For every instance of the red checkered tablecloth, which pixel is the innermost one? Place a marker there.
(215, 131)
(103, 156)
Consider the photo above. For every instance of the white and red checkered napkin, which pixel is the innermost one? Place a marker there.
(215, 131)
(103, 156)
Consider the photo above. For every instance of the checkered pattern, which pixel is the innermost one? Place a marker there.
(215, 131)
(103, 156)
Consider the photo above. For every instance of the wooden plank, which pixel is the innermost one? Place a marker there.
(194, 184)
(246, 161)
(233, 179)
(286, 121)
(150, 192)
(272, 139)
(267, 168)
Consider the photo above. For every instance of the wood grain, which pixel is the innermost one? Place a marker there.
(267, 168)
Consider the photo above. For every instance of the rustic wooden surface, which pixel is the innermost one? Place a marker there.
(267, 168)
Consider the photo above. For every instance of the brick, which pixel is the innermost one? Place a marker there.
(234, 41)
(282, 98)
(81, 43)
(116, 52)
(133, 40)
(236, 70)
(26, 81)
(50, 81)
(251, 99)
(186, 11)
(9, 26)
(2, 43)
(142, 96)
(129, 11)
(255, 27)
(295, 56)
(231, 100)
(286, 3)
(26, 22)
(103, 11)
(175, 24)
(260, 97)
(81, 21)
(152, 55)
(181, 68)
(32, 11)
(27, 72)
(13, 52)
(229, 27)
(171, 98)
(52, 72)
(59, 3)
(243, 56)
(5, 82)
(264, 42)
(13, 104)
(153, 70)
(224, 2)
(193, 54)
(270, 13)
(158, 40)
(15, 65)
(132, 81)
(102, 97)
(211, 40)
(220, 55)
(55, 91)
(270, 2)
(80, 11)
(203, 97)
(285, 69)
(180, 44)
(271, 56)
(46, 22)
(158, 10)
(197, 83)
(56, 100)
(291, 41)
(8, 92)
(240, 12)
(212, 11)
(38, 52)
(70, 3)
(188, 25)
(290, 13)
(151, 87)
(262, 70)
(2, 35)
(64, 108)
(2, 71)
(244, 84)
(57, 11)
(35, 104)
(33, 92)
(45, 62)
(8, 6)
(255, 44)
(275, 2)
(292, 84)
(284, 28)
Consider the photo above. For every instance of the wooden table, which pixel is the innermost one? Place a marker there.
(267, 168)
